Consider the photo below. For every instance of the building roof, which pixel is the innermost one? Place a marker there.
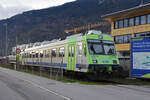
(142, 6)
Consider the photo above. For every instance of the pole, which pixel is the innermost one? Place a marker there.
(6, 52)
(16, 55)
(142, 2)
(6, 40)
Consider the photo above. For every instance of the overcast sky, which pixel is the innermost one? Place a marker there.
(10, 8)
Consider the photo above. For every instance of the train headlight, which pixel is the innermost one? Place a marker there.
(114, 61)
(94, 61)
(100, 37)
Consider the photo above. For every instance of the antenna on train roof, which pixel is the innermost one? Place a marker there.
(76, 35)
(142, 2)
(94, 32)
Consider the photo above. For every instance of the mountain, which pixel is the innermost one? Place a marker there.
(50, 23)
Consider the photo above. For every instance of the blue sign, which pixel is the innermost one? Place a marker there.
(140, 57)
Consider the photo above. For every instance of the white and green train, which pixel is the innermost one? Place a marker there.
(91, 52)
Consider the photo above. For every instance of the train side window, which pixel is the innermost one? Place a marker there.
(30, 55)
(53, 53)
(61, 52)
(41, 55)
(47, 53)
(70, 51)
(80, 48)
(84, 47)
(44, 53)
(27, 55)
(34, 55)
(24, 55)
(37, 54)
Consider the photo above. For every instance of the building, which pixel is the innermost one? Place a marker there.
(127, 24)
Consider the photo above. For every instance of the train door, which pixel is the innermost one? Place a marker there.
(23, 56)
(84, 55)
(71, 61)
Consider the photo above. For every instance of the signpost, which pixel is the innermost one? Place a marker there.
(140, 57)
(18, 51)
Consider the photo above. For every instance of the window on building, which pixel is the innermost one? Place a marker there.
(125, 53)
(116, 24)
(143, 19)
(123, 39)
(118, 39)
(127, 38)
(126, 22)
(131, 22)
(121, 24)
(148, 19)
(143, 34)
(137, 20)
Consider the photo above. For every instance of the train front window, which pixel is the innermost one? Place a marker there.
(109, 47)
(101, 47)
(95, 47)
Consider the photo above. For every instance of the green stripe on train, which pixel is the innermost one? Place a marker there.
(146, 76)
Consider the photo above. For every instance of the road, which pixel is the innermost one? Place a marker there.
(21, 86)
(12, 88)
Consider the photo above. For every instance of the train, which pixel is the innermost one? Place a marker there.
(92, 52)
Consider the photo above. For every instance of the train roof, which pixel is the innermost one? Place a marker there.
(92, 34)
(47, 45)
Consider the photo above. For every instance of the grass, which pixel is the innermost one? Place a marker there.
(64, 79)
(127, 81)
(68, 80)
(4, 66)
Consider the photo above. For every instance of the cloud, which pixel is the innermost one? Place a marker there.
(10, 8)
(11, 11)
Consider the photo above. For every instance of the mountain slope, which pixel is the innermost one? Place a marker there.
(50, 23)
